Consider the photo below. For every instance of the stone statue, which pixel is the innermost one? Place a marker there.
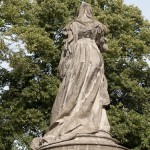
(79, 107)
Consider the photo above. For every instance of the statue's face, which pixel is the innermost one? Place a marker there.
(85, 11)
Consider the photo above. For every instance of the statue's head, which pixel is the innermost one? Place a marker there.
(85, 11)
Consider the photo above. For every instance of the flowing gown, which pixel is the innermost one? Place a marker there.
(79, 104)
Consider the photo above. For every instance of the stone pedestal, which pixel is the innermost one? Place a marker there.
(86, 142)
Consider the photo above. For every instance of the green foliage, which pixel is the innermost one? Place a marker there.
(28, 89)
(131, 128)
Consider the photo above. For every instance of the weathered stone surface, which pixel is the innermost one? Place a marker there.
(78, 118)
(86, 147)
(86, 142)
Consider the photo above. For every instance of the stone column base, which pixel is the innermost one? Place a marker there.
(85, 142)
(85, 147)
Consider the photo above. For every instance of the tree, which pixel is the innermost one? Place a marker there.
(32, 81)
(32, 85)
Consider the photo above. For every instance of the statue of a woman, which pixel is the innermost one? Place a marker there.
(79, 107)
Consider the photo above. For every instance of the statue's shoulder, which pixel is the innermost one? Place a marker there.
(100, 25)
(72, 26)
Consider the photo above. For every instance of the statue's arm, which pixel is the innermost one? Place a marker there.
(101, 39)
(66, 51)
(67, 38)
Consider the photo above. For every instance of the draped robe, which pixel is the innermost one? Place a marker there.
(79, 107)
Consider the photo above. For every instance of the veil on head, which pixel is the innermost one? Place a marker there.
(85, 9)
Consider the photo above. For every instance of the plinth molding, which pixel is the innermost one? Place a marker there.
(85, 142)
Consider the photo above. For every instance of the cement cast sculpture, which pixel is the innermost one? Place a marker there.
(79, 107)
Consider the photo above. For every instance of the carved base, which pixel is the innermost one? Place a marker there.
(86, 142)
(85, 147)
